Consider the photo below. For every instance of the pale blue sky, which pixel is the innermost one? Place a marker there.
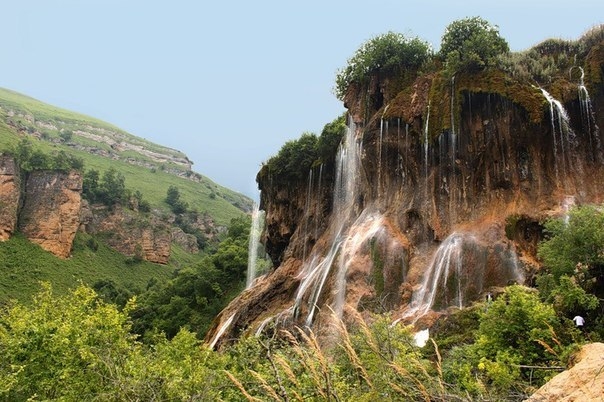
(229, 82)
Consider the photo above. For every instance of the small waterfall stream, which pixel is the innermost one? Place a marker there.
(446, 260)
(560, 126)
(460, 270)
(588, 117)
(254, 244)
(221, 330)
(316, 268)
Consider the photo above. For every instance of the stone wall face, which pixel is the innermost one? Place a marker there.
(50, 215)
(9, 196)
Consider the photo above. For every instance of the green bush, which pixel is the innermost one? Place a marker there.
(516, 329)
(77, 347)
(471, 44)
(575, 246)
(387, 53)
(297, 157)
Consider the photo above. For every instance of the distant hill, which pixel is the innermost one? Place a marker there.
(147, 167)
(108, 252)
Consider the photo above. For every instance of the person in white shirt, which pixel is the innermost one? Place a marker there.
(579, 321)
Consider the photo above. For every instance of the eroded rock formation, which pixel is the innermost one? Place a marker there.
(10, 189)
(50, 215)
(436, 197)
(126, 231)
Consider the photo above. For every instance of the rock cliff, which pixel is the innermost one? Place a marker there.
(131, 234)
(436, 197)
(50, 215)
(49, 211)
(10, 189)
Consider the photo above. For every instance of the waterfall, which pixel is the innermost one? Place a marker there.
(382, 125)
(254, 243)
(567, 204)
(379, 178)
(221, 331)
(318, 204)
(461, 269)
(306, 210)
(316, 268)
(558, 115)
(426, 149)
(588, 117)
(453, 133)
(446, 260)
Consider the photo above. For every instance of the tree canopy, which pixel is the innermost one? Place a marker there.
(389, 52)
(471, 44)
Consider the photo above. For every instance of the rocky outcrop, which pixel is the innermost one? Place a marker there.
(584, 382)
(437, 198)
(50, 215)
(132, 234)
(10, 190)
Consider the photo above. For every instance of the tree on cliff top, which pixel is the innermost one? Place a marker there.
(471, 44)
(389, 52)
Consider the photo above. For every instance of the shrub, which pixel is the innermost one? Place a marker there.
(387, 53)
(471, 44)
(297, 157)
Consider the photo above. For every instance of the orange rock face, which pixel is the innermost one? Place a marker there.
(132, 234)
(9, 196)
(50, 215)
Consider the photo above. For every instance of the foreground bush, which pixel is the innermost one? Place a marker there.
(78, 348)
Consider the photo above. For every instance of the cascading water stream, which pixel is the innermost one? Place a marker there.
(254, 244)
(558, 115)
(307, 209)
(316, 268)
(460, 269)
(588, 117)
(221, 331)
(426, 149)
(446, 259)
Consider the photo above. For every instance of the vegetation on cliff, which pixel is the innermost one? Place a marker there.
(297, 157)
(388, 54)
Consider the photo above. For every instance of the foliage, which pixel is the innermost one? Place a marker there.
(31, 158)
(297, 157)
(376, 362)
(330, 138)
(77, 347)
(539, 63)
(24, 264)
(575, 246)
(516, 329)
(177, 205)
(573, 257)
(196, 293)
(471, 44)
(386, 53)
(567, 297)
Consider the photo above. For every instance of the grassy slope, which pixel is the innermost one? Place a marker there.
(23, 264)
(206, 196)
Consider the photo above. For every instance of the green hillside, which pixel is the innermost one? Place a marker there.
(147, 167)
